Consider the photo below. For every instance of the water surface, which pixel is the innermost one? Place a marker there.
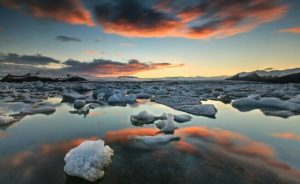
(236, 147)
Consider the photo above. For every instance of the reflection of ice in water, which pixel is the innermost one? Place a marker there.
(54, 100)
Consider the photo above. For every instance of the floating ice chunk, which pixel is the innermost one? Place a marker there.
(88, 160)
(164, 116)
(155, 140)
(79, 104)
(277, 103)
(295, 99)
(267, 102)
(254, 97)
(71, 97)
(170, 125)
(122, 98)
(5, 120)
(282, 113)
(142, 118)
(174, 101)
(181, 118)
(83, 110)
(160, 124)
(108, 92)
(199, 110)
(38, 110)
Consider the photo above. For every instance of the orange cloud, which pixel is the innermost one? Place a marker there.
(123, 28)
(190, 14)
(201, 20)
(69, 11)
(295, 30)
(287, 135)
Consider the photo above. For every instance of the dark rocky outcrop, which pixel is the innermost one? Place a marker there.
(33, 78)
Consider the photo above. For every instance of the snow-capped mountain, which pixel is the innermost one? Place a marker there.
(274, 76)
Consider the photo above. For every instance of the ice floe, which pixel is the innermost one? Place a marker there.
(170, 126)
(208, 110)
(142, 118)
(181, 118)
(5, 120)
(38, 110)
(253, 102)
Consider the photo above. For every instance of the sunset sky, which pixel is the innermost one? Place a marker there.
(150, 38)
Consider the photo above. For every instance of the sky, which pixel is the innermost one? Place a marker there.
(149, 39)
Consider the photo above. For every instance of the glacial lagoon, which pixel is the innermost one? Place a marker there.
(233, 147)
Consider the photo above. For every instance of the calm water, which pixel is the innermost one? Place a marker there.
(236, 147)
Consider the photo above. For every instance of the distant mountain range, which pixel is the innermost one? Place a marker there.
(271, 76)
(267, 75)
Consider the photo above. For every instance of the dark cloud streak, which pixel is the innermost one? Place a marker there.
(38, 59)
(67, 39)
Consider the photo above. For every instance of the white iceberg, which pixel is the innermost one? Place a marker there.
(170, 125)
(88, 160)
(5, 120)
